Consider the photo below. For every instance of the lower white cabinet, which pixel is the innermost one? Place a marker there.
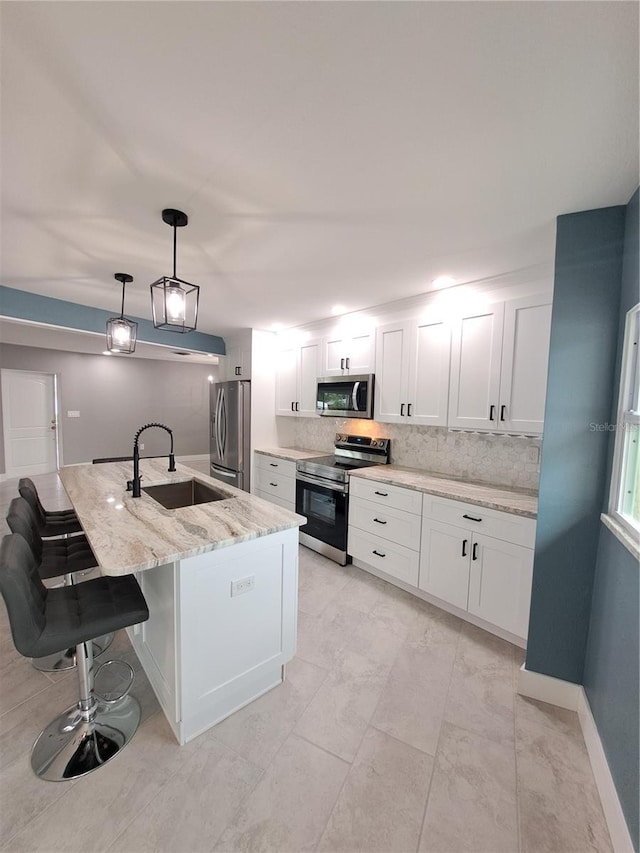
(275, 480)
(466, 558)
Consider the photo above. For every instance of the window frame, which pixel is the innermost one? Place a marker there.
(627, 422)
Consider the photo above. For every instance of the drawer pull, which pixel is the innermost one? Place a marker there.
(273, 464)
(379, 521)
(382, 494)
(275, 485)
(471, 518)
(464, 547)
(474, 551)
(378, 554)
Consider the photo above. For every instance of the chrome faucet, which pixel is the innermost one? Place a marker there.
(134, 485)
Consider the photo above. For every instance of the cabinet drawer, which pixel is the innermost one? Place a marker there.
(386, 495)
(490, 522)
(275, 499)
(275, 465)
(394, 560)
(394, 525)
(276, 485)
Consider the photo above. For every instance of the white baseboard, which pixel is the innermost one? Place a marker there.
(565, 694)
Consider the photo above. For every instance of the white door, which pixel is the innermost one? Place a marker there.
(287, 381)
(29, 423)
(476, 350)
(525, 356)
(333, 356)
(429, 373)
(444, 562)
(309, 363)
(392, 350)
(360, 353)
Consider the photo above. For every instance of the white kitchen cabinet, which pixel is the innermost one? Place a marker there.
(499, 359)
(297, 374)
(483, 575)
(412, 371)
(343, 355)
(275, 480)
(384, 529)
(237, 362)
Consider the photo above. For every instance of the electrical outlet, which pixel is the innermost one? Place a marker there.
(141, 445)
(73, 414)
(243, 585)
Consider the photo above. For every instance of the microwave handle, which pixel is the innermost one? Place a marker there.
(354, 396)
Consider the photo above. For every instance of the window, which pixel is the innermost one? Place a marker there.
(624, 502)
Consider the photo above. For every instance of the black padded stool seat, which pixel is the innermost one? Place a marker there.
(55, 556)
(43, 620)
(50, 522)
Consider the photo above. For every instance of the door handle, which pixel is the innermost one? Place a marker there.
(471, 518)
(347, 360)
(401, 410)
(502, 411)
(464, 547)
(474, 551)
(378, 554)
(342, 364)
(297, 407)
(492, 411)
(379, 521)
(293, 407)
(409, 409)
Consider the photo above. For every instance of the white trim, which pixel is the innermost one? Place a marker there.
(565, 694)
(631, 541)
(618, 830)
(545, 688)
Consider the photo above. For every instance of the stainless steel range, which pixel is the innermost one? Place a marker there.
(322, 491)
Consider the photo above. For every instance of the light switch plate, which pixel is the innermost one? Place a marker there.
(73, 414)
(242, 586)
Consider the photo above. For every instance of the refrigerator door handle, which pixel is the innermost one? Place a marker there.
(231, 474)
(223, 424)
(218, 415)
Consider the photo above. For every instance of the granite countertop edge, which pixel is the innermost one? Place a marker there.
(291, 454)
(500, 498)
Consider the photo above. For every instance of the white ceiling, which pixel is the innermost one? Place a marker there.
(326, 152)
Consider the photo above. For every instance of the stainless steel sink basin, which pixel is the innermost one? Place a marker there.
(184, 493)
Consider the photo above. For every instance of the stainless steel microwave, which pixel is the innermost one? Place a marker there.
(345, 396)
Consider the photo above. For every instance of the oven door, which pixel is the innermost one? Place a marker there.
(325, 506)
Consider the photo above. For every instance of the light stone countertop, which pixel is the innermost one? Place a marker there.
(291, 453)
(493, 497)
(132, 534)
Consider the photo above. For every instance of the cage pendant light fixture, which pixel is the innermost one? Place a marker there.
(122, 333)
(174, 302)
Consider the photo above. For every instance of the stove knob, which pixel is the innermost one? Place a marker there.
(374, 443)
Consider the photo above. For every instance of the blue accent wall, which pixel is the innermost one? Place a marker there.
(584, 339)
(22, 305)
(612, 663)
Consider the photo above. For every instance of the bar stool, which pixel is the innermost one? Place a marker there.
(55, 557)
(50, 522)
(42, 620)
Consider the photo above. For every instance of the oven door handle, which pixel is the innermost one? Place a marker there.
(320, 481)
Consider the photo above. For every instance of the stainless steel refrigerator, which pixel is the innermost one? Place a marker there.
(229, 435)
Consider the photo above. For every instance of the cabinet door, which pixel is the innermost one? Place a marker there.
(286, 381)
(308, 365)
(429, 363)
(360, 353)
(333, 356)
(444, 562)
(476, 349)
(525, 356)
(500, 583)
(391, 373)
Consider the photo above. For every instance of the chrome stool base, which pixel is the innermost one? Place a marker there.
(64, 660)
(72, 745)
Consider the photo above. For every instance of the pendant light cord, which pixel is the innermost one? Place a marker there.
(122, 309)
(175, 231)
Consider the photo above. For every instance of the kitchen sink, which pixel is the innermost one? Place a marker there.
(184, 493)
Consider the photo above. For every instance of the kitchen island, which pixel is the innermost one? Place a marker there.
(220, 579)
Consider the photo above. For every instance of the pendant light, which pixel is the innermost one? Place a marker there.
(174, 302)
(122, 333)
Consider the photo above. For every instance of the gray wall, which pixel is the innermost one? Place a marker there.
(612, 663)
(584, 339)
(115, 396)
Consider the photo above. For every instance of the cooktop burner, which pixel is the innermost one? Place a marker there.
(352, 451)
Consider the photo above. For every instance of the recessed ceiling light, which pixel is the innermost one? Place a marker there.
(338, 309)
(443, 281)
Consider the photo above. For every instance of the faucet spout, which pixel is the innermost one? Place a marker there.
(134, 485)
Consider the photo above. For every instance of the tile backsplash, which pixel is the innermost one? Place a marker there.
(501, 460)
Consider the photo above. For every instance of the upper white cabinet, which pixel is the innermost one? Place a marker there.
(499, 361)
(296, 379)
(237, 362)
(343, 355)
(412, 371)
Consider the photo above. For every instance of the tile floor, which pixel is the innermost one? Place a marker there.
(398, 729)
